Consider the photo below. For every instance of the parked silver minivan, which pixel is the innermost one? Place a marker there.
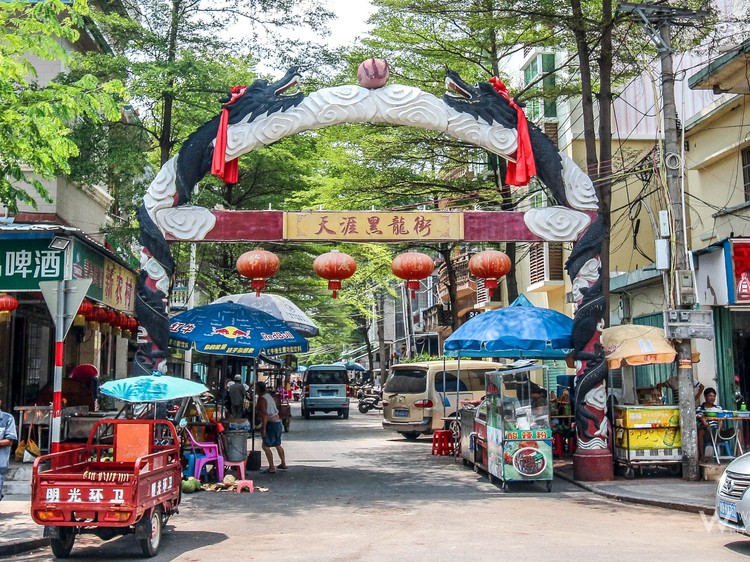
(418, 396)
(325, 388)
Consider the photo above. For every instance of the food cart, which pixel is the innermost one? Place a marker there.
(647, 432)
(518, 442)
(647, 435)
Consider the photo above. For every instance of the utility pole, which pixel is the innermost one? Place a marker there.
(657, 20)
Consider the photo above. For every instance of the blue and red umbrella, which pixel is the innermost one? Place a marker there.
(233, 329)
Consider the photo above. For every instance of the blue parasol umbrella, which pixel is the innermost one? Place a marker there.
(520, 330)
(152, 388)
(233, 329)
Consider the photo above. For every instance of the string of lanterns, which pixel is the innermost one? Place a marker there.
(335, 266)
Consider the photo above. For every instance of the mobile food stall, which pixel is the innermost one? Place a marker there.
(646, 432)
(513, 440)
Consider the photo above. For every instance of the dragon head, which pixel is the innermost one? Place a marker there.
(262, 97)
(484, 103)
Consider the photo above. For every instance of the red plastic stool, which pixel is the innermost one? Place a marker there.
(557, 445)
(442, 442)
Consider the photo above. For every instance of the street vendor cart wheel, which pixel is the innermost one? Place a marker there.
(63, 544)
(629, 472)
(150, 546)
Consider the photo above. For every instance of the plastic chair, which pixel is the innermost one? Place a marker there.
(239, 466)
(206, 453)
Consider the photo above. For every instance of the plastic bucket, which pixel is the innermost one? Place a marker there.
(236, 449)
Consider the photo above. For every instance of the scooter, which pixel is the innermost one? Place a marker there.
(370, 402)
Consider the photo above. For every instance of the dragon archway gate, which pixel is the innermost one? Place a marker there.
(264, 113)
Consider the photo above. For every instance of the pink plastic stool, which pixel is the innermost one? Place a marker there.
(245, 484)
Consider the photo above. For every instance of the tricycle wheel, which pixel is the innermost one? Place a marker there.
(305, 414)
(286, 422)
(150, 546)
(345, 414)
(63, 545)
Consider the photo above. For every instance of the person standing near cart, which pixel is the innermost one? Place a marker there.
(7, 437)
(271, 428)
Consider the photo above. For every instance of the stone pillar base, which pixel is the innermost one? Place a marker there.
(595, 465)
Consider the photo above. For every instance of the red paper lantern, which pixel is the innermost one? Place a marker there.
(100, 314)
(412, 266)
(489, 265)
(122, 321)
(7, 305)
(86, 309)
(258, 265)
(111, 317)
(334, 266)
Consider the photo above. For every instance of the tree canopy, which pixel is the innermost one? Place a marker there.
(36, 119)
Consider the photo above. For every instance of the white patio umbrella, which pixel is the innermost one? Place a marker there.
(278, 306)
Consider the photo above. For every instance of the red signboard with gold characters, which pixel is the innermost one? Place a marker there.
(741, 270)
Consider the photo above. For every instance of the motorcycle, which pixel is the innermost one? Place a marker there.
(370, 402)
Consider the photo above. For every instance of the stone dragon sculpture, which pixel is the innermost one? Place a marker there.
(478, 114)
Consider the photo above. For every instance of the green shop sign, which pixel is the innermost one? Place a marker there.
(25, 262)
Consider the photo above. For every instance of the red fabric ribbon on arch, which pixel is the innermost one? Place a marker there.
(227, 171)
(523, 169)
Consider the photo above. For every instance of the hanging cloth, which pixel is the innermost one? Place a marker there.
(227, 171)
(523, 169)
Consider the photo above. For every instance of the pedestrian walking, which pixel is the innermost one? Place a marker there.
(7, 437)
(237, 395)
(271, 427)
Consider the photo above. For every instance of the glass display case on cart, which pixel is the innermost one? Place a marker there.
(519, 436)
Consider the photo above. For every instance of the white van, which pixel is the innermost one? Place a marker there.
(417, 396)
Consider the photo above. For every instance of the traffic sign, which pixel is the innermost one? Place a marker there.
(74, 290)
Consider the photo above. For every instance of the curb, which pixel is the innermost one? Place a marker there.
(640, 501)
(22, 545)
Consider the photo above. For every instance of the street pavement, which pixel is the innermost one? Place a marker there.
(18, 533)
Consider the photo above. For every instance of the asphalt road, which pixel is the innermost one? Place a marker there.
(356, 492)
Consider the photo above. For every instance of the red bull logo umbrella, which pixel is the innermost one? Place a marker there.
(233, 329)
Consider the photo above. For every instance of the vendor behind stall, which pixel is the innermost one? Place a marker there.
(673, 384)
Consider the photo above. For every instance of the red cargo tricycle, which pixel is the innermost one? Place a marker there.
(125, 480)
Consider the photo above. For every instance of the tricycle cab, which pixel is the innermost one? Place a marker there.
(126, 479)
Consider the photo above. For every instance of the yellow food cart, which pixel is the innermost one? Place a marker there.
(648, 435)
